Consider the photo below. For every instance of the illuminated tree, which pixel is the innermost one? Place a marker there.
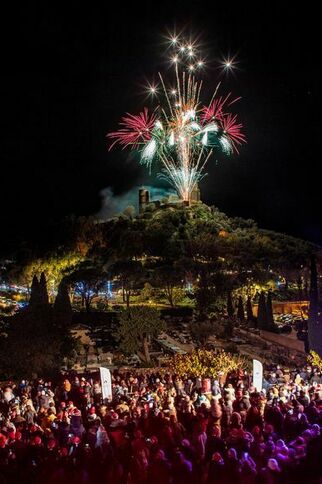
(87, 282)
(315, 360)
(129, 273)
(169, 278)
(203, 363)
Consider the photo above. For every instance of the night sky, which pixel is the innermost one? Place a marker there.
(69, 75)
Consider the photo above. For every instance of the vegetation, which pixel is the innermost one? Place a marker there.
(203, 363)
(137, 326)
(36, 341)
(171, 256)
(315, 360)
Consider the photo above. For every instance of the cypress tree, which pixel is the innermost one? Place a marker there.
(249, 310)
(262, 312)
(34, 293)
(314, 323)
(269, 313)
(62, 306)
(240, 310)
(43, 293)
(230, 307)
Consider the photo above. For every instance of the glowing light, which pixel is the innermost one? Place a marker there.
(229, 63)
(226, 145)
(171, 139)
(152, 89)
(149, 151)
(182, 133)
(174, 40)
(135, 129)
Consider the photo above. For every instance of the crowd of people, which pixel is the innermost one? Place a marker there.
(162, 429)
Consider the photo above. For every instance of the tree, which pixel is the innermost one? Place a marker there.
(129, 273)
(34, 345)
(129, 212)
(34, 293)
(62, 306)
(230, 306)
(201, 330)
(240, 310)
(203, 363)
(262, 312)
(269, 313)
(147, 292)
(137, 326)
(204, 293)
(87, 282)
(169, 278)
(314, 322)
(43, 293)
(315, 360)
(249, 310)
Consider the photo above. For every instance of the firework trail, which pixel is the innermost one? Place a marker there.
(182, 133)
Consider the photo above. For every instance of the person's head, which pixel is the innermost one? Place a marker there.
(51, 444)
(217, 458)
(269, 429)
(315, 430)
(37, 441)
(269, 447)
(232, 454)
(160, 455)
(235, 418)
(272, 465)
(239, 393)
(215, 431)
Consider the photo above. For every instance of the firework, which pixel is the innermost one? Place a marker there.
(182, 133)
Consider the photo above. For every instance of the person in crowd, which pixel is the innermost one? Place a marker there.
(161, 428)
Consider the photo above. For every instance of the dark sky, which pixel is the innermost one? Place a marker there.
(70, 73)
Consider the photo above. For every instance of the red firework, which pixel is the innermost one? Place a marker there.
(232, 130)
(215, 109)
(136, 129)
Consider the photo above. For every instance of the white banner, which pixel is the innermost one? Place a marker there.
(257, 375)
(106, 383)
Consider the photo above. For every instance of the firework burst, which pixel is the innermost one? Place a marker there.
(182, 133)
